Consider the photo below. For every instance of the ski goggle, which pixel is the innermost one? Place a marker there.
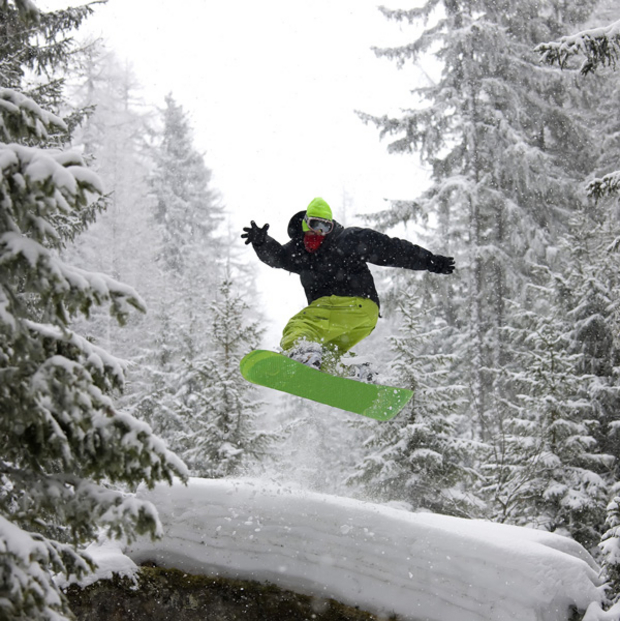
(319, 225)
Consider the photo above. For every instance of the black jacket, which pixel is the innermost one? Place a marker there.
(339, 266)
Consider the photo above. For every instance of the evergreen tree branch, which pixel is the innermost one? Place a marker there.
(600, 46)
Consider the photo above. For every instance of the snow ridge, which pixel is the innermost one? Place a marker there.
(421, 566)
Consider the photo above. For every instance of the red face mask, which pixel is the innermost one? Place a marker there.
(312, 241)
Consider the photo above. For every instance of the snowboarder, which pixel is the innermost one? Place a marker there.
(331, 260)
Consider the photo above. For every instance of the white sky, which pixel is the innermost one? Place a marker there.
(271, 89)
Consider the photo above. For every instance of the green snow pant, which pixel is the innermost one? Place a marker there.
(334, 321)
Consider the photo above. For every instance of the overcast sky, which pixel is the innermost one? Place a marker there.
(271, 89)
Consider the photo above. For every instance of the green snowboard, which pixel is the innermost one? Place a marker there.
(273, 370)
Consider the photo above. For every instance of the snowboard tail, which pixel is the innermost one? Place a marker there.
(273, 370)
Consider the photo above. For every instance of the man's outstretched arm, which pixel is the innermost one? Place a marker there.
(382, 249)
(267, 249)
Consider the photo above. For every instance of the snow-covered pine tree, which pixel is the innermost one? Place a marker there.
(545, 467)
(35, 49)
(589, 302)
(551, 464)
(116, 130)
(593, 286)
(417, 457)
(504, 162)
(222, 437)
(599, 47)
(189, 252)
(187, 208)
(123, 240)
(610, 549)
(595, 306)
(64, 442)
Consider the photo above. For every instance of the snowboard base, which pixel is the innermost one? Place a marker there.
(273, 370)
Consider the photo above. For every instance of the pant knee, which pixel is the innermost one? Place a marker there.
(299, 328)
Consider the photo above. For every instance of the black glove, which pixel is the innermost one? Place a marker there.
(440, 265)
(254, 235)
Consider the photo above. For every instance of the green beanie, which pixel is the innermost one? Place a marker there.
(317, 208)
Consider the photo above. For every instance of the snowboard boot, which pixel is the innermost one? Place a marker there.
(308, 353)
(363, 372)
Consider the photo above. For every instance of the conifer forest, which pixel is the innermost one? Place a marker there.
(126, 303)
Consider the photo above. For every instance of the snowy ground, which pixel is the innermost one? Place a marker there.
(422, 566)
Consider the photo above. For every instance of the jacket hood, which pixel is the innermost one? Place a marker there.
(295, 230)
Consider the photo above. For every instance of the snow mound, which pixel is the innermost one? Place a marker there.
(421, 566)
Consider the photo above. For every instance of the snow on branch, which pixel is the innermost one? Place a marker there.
(47, 197)
(609, 185)
(96, 359)
(27, 564)
(78, 426)
(21, 117)
(600, 46)
(46, 194)
(64, 290)
(409, 15)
